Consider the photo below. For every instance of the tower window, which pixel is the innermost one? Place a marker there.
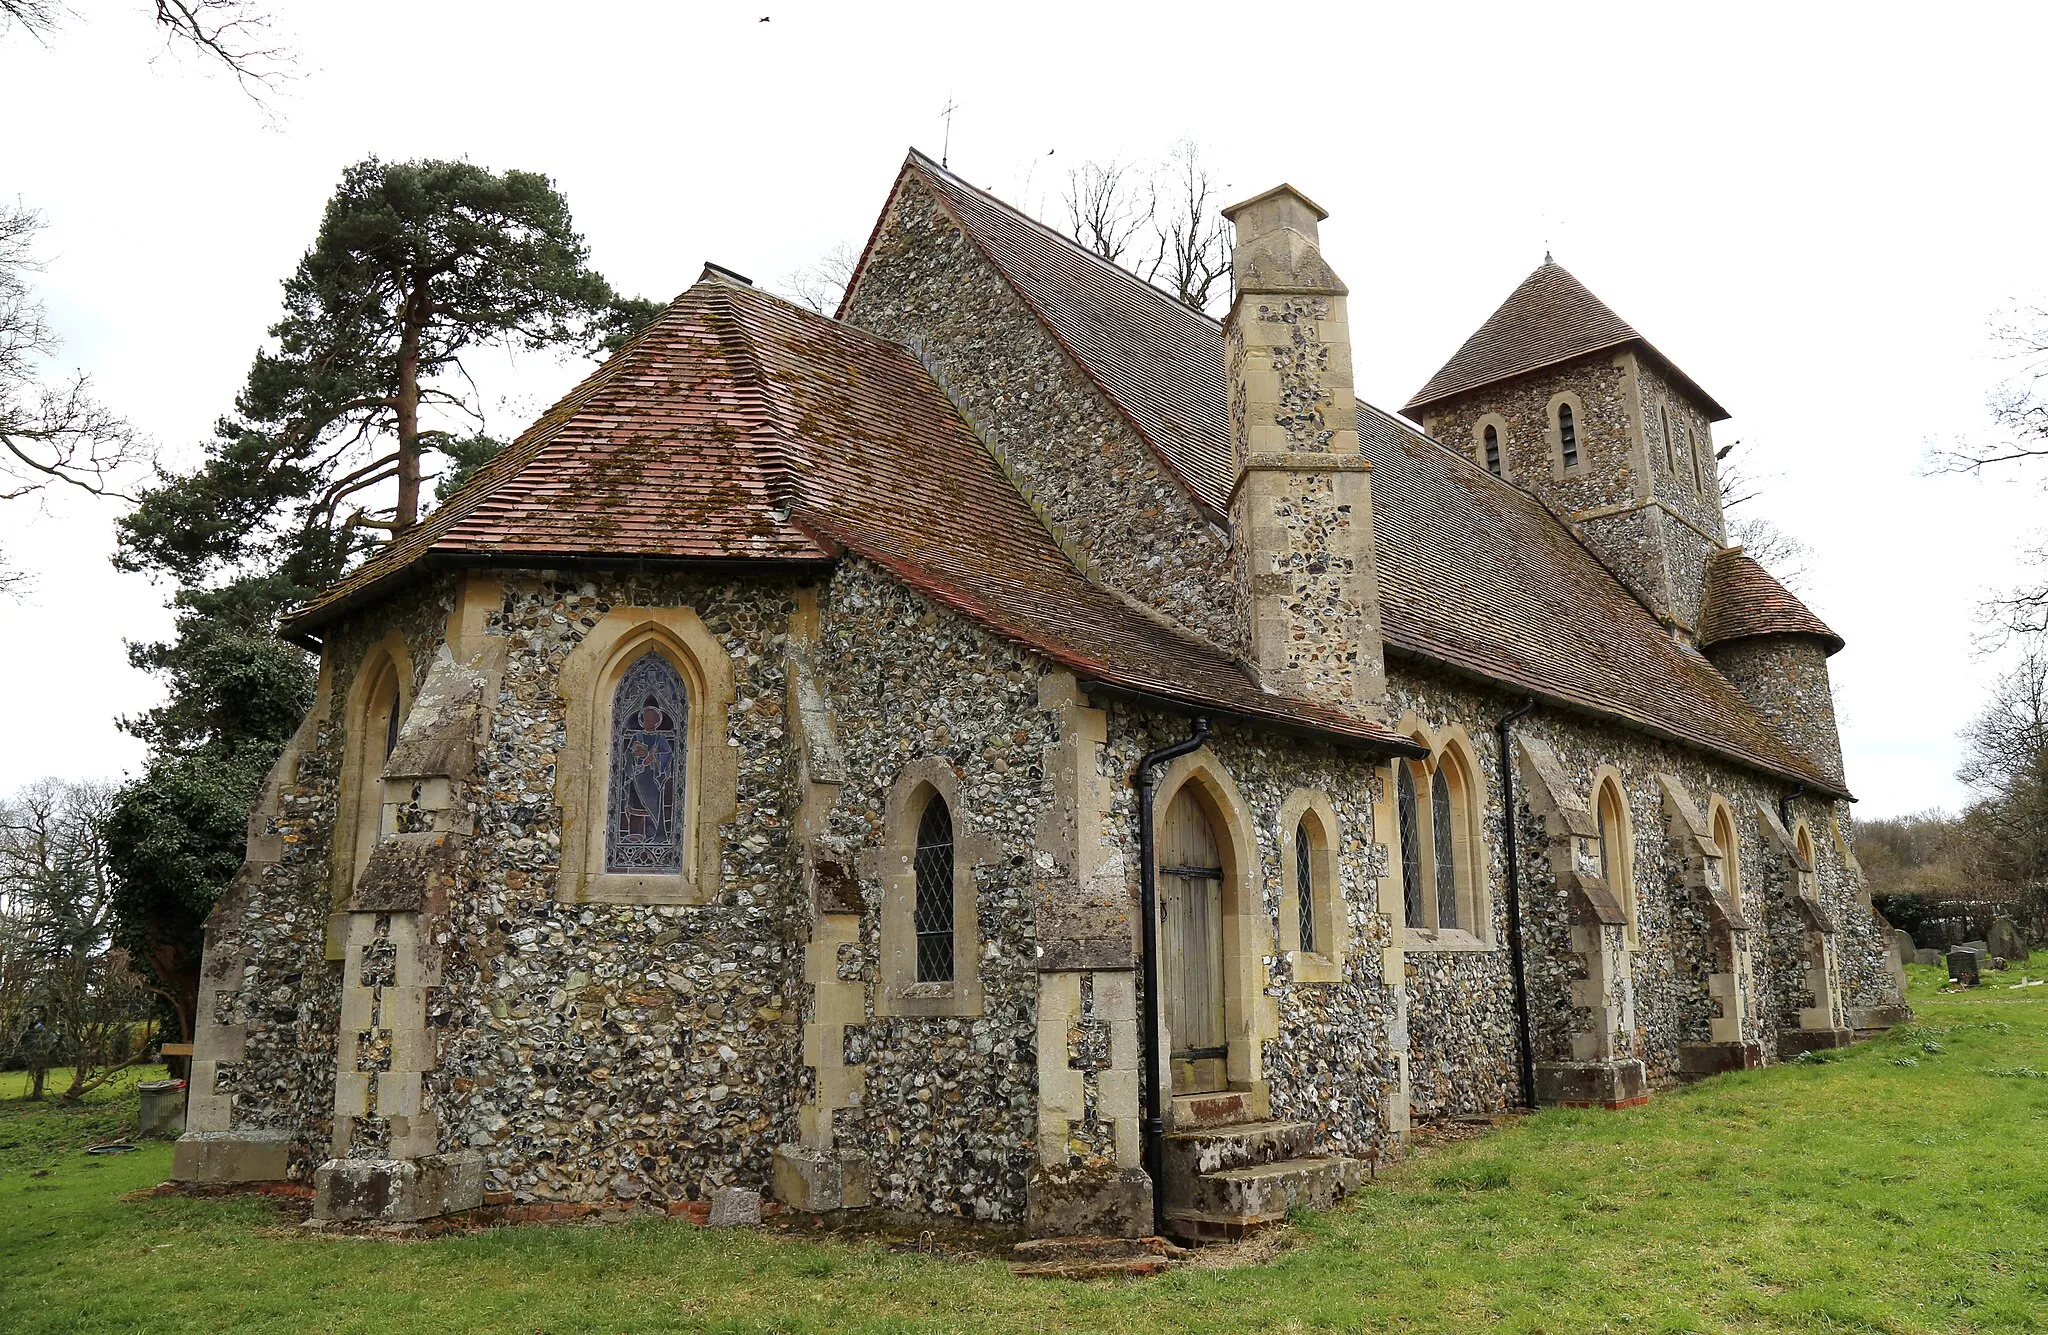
(1692, 452)
(1567, 435)
(1492, 447)
(1670, 451)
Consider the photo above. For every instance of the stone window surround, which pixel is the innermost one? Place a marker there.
(586, 680)
(1500, 427)
(1622, 880)
(1555, 440)
(1450, 749)
(1721, 816)
(1809, 875)
(1326, 893)
(359, 811)
(898, 992)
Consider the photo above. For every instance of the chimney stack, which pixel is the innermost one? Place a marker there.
(1301, 508)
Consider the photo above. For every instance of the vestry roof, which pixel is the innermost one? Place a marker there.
(1474, 573)
(1742, 600)
(1550, 318)
(741, 427)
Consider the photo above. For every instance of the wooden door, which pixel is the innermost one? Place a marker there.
(1191, 946)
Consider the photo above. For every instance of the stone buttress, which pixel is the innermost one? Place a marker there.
(388, 1162)
(1730, 1043)
(1596, 1063)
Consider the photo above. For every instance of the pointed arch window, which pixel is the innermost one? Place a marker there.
(1731, 855)
(650, 716)
(1617, 862)
(1491, 445)
(1305, 885)
(1568, 435)
(933, 914)
(1443, 827)
(1670, 449)
(1411, 843)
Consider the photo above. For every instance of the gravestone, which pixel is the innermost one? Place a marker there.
(1903, 948)
(1981, 947)
(734, 1206)
(1928, 956)
(2004, 939)
(1963, 964)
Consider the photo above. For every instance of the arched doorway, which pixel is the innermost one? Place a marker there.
(1191, 946)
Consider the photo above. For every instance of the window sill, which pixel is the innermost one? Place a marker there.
(629, 888)
(1305, 967)
(1420, 941)
(959, 999)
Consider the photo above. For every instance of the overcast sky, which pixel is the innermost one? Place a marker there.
(1814, 209)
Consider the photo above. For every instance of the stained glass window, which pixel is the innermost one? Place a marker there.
(1446, 851)
(934, 914)
(1493, 451)
(1411, 844)
(650, 710)
(1305, 886)
(1567, 435)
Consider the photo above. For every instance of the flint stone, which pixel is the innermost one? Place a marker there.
(732, 1207)
(2005, 940)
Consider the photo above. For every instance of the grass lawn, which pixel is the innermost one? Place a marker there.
(1900, 1187)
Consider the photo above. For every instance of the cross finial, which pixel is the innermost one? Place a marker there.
(946, 148)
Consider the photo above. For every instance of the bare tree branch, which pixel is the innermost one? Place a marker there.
(1108, 206)
(50, 435)
(821, 284)
(1193, 241)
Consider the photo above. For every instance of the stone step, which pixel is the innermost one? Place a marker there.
(1234, 1201)
(1093, 1257)
(1193, 1111)
(1191, 1154)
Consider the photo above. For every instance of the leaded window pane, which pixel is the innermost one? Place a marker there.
(1446, 851)
(934, 912)
(1411, 845)
(1305, 886)
(1606, 873)
(650, 711)
(391, 729)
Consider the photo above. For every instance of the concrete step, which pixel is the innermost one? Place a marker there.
(1194, 1111)
(1234, 1201)
(1191, 1154)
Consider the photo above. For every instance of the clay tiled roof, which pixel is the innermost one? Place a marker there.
(1743, 600)
(739, 426)
(1152, 354)
(1474, 573)
(1550, 318)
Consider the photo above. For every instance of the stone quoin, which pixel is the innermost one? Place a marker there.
(732, 792)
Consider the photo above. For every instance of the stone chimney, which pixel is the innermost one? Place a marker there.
(1301, 508)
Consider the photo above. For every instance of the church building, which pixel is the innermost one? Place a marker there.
(1023, 751)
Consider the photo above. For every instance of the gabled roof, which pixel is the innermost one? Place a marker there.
(1149, 352)
(739, 427)
(1474, 573)
(1550, 318)
(1743, 600)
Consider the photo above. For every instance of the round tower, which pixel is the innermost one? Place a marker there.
(1775, 651)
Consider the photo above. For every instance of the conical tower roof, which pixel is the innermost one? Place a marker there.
(1550, 318)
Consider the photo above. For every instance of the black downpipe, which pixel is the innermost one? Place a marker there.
(1524, 1043)
(1148, 899)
